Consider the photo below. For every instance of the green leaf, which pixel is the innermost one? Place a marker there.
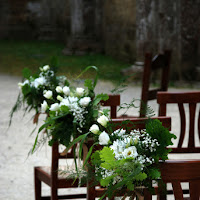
(64, 109)
(108, 158)
(26, 89)
(105, 182)
(26, 73)
(154, 173)
(100, 97)
(89, 84)
(141, 176)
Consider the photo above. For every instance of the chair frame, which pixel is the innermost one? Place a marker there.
(151, 64)
(177, 171)
(181, 98)
(53, 180)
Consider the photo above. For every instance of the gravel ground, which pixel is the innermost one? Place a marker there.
(16, 167)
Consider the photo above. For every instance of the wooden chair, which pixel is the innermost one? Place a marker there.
(178, 171)
(181, 98)
(139, 123)
(52, 177)
(152, 65)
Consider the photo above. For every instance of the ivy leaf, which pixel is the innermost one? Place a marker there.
(100, 97)
(130, 186)
(64, 109)
(141, 176)
(108, 158)
(26, 89)
(154, 173)
(26, 73)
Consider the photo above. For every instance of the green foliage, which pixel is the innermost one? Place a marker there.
(162, 134)
(108, 158)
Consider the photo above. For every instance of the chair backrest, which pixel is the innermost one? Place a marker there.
(177, 171)
(182, 98)
(113, 102)
(152, 64)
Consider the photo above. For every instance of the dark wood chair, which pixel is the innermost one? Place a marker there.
(152, 65)
(139, 123)
(181, 99)
(189, 122)
(53, 178)
(179, 171)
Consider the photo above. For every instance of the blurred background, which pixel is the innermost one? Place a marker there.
(113, 35)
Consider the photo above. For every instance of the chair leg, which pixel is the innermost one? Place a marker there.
(38, 187)
(54, 193)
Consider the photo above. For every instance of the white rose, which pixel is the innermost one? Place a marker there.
(80, 91)
(85, 101)
(104, 138)
(44, 106)
(94, 129)
(59, 89)
(48, 94)
(59, 98)
(103, 120)
(46, 67)
(39, 81)
(130, 152)
(20, 85)
(66, 90)
(54, 107)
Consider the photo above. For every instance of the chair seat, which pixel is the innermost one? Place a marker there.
(66, 176)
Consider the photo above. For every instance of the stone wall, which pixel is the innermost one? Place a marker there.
(119, 28)
(34, 19)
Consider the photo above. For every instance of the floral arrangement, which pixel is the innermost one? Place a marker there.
(70, 111)
(38, 89)
(129, 158)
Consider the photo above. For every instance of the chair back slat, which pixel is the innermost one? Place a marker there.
(192, 110)
(178, 194)
(182, 98)
(183, 124)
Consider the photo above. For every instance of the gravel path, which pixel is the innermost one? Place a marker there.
(16, 168)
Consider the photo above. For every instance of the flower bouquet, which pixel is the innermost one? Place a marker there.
(129, 158)
(38, 89)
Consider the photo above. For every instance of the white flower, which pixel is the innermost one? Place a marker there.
(103, 120)
(104, 138)
(66, 90)
(44, 106)
(54, 107)
(85, 101)
(130, 152)
(48, 94)
(46, 67)
(80, 91)
(59, 89)
(59, 98)
(39, 81)
(20, 85)
(94, 129)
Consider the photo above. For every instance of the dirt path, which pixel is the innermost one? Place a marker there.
(16, 169)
